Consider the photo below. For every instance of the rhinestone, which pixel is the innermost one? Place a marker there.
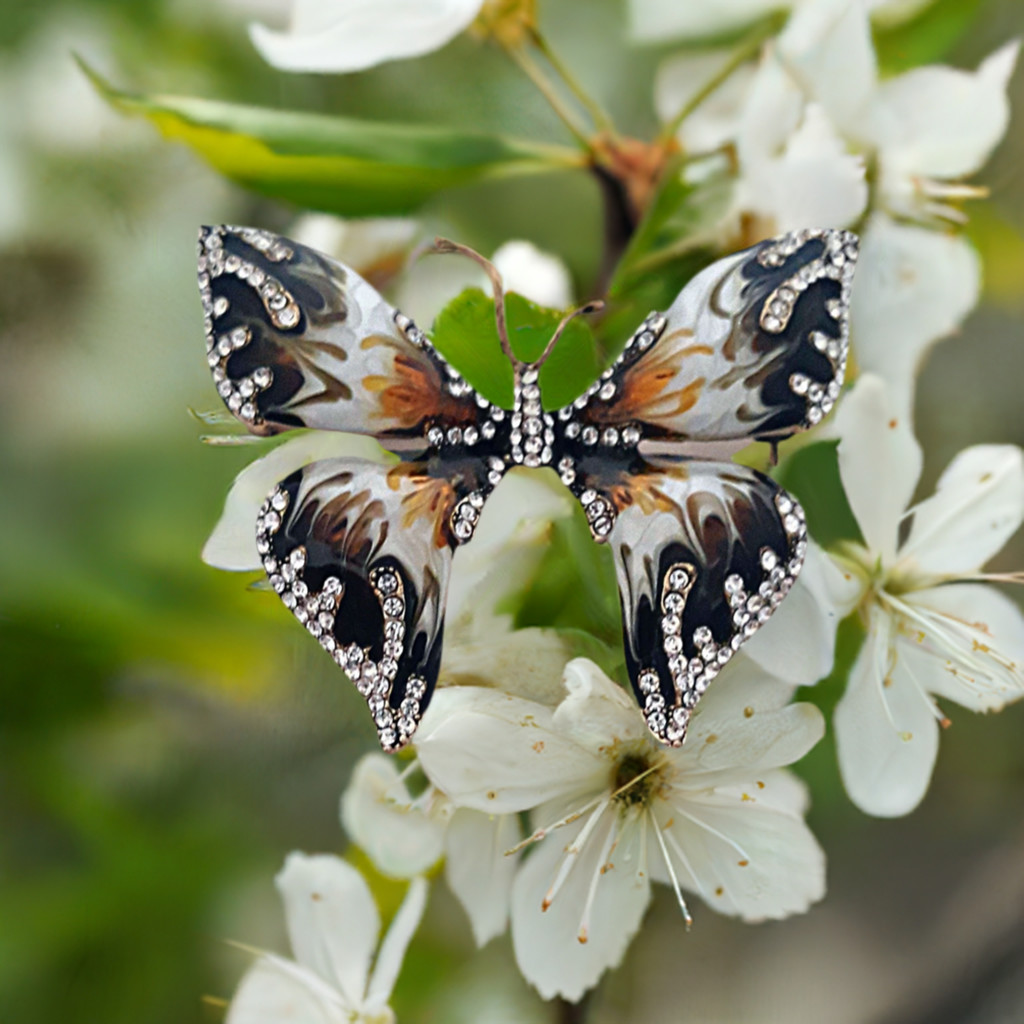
(610, 436)
(670, 624)
(765, 590)
(273, 521)
(733, 584)
(783, 504)
(463, 530)
(288, 317)
(534, 445)
(834, 308)
(387, 738)
(407, 724)
(814, 415)
(631, 435)
(435, 436)
(326, 620)
(454, 435)
(389, 668)
(772, 324)
(572, 430)
(702, 636)
(678, 579)
(470, 435)
(724, 654)
(648, 682)
(289, 599)
(654, 702)
(416, 688)
(799, 383)
(764, 614)
(487, 430)
(646, 339)
(603, 526)
(590, 435)
(220, 306)
(394, 607)
(673, 603)
(394, 630)
(791, 524)
(332, 585)
(387, 583)
(656, 722)
(672, 645)
(300, 589)
(277, 582)
(607, 391)
(768, 559)
(709, 652)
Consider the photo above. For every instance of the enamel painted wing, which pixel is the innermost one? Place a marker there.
(296, 339)
(753, 347)
(361, 554)
(704, 553)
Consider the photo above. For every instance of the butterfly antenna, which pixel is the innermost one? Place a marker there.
(590, 307)
(446, 245)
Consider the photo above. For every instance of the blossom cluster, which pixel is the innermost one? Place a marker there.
(534, 778)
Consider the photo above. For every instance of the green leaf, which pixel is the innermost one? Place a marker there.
(925, 39)
(340, 165)
(575, 587)
(465, 334)
(812, 474)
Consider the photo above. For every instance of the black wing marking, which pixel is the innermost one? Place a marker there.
(704, 553)
(296, 339)
(753, 347)
(361, 555)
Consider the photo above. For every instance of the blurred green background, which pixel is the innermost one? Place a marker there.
(167, 735)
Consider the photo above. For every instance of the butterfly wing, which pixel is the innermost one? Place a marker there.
(753, 347)
(361, 556)
(296, 339)
(704, 553)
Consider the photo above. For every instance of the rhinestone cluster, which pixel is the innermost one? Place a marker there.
(600, 514)
(316, 611)
(465, 516)
(239, 395)
(750, 611)
(533, 431)
(836, 263)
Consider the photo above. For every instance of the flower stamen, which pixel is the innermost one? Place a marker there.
(572, 853)
(671, 870)
(611, 841)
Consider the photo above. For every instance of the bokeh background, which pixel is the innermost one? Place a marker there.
(167, 735)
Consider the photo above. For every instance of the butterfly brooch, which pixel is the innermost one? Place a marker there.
(753, 348)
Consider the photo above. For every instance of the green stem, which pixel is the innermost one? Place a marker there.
(534, 73)
(745, 51)
(602, 120)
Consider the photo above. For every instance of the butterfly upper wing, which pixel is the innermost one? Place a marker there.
(361, 555)
(296, 339)
(704, 553)
(753, 347)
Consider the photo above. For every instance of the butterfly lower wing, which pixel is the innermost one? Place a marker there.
(704, 553)
(753, 347)
(296, 339)
(361, 556)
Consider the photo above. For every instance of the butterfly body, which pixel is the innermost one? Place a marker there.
(753, 348)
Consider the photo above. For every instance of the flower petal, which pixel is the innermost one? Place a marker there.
(887, 735)
(523, 662)
(716, 121)
(401, 840)
(232, 545)
(333, 922)
(659, 21)
(508, 544)
(879, 463)
(596, 713)
(366, 245)
(815, 181)
(977, 507)
(798, 643)
(277, 991)
(745, 723)
(477, 870)
(913, 287)
(941, 122)
(827, 46)
(746, 857)
(970, 646)
(349, 35)
(537, 275)
(392, 950)
(500, 754)
(547, 943)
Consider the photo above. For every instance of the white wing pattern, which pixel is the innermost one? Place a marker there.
(754, 347)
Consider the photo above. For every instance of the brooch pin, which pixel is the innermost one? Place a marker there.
(753, 348)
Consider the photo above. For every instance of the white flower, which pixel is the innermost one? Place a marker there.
(537, 275)
(927, 128)
(350, 35)
(657, 21)
(404, 837)
(716, 817)
(370, 245)
(931, 630)
(333, 926)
